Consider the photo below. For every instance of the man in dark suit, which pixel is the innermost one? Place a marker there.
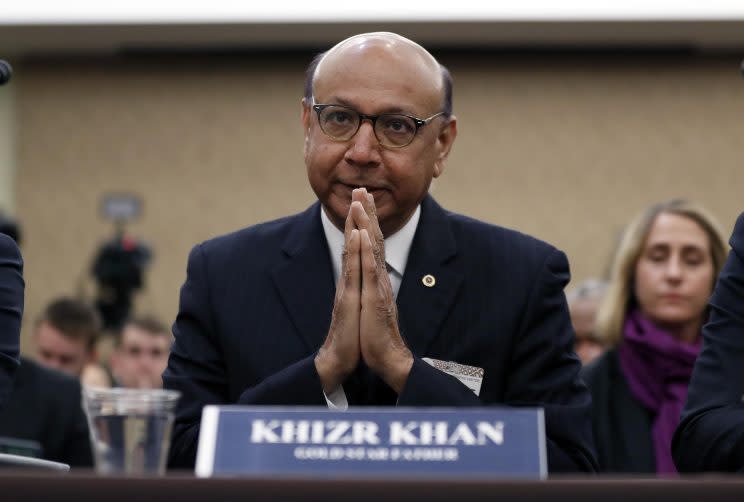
(710, 436)
(45, 407)
(417, 288)
(11, 311)
(39, 404)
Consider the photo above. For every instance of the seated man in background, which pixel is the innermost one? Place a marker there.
(42, 415)
(259, 322)
(45, 408)
(11, 311)
(141, 353)
(583, 302)
(65, 337)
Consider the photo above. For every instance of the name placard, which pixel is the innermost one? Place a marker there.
(372, 442)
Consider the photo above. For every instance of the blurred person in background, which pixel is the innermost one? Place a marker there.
(65, 337)
(11, 311)
(651, 317)
(710, 436)
(43, 415)
(583, 302)
(141, 353)
(45, 418)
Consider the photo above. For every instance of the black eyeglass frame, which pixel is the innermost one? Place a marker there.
(318, 107)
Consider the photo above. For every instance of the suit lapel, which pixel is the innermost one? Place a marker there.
(305, 279)
(422, 308)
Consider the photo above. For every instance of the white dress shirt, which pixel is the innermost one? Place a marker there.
(397, 247)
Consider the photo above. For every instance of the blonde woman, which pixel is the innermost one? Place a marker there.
(652, 316)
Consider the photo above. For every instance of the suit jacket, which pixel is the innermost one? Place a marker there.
(11, 311)
(621, 425)
(256, 306)
(45, 406)
(710, 436)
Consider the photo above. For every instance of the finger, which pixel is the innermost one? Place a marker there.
(348, 289)
(359, 215)
(359, 194)
(349, 254)
(352, 281)
(371, 210)
(366, 200)
(349, 225)
(358, 198)
(369, 264)
(353, 262)
(365, 214)
(373, 227)
(375, 279)
(364, 222)
(376, 290)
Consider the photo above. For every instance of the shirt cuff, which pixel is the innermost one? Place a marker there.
(336, 400)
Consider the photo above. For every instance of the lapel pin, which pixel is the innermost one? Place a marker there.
(429, 280)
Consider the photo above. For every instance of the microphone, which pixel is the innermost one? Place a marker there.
(5, 72)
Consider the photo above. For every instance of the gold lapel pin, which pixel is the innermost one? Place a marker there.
(428, 280)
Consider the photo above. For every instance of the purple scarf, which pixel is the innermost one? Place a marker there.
(657, 368)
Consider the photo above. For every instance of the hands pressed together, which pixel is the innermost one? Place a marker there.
(364, 324)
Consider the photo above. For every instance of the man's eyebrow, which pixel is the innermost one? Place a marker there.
(341, 101)
(346, 102)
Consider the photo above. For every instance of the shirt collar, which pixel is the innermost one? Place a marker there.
(397, 246)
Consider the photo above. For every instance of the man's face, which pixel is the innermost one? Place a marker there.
(60, 352)
(583, 314)
(141, 359)
(372, 79)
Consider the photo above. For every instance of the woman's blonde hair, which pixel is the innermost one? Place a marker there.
(620, 297)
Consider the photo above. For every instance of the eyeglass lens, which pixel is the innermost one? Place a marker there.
(391, 129)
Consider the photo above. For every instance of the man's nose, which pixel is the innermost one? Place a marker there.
(364, 148)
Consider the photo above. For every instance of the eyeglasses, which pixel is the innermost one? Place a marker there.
(392, 130)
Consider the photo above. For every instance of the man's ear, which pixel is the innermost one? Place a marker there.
(445, 140)
(306, 115)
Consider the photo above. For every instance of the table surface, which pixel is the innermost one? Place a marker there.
(29, 486)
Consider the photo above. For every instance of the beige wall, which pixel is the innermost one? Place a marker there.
(563, 147)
